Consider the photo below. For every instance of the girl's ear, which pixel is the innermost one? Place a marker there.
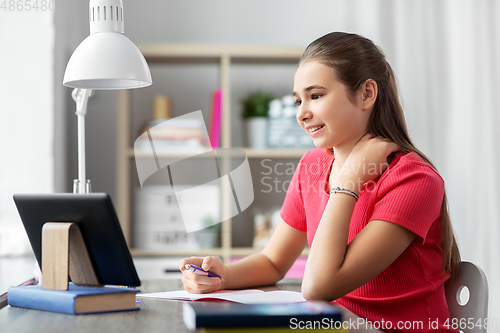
(369, 93)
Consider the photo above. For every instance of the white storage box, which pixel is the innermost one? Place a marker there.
(159, 224)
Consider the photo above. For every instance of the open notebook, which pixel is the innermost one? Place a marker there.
(247, 296)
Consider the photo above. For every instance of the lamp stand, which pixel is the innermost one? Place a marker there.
(81, 97)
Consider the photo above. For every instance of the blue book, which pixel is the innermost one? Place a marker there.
(228, 314)
(75, 300)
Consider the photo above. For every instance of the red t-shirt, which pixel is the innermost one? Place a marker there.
(409, 193)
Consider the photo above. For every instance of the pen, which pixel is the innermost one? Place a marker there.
(200, 271)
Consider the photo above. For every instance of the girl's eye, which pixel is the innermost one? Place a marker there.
(297, 103)
(316, 96)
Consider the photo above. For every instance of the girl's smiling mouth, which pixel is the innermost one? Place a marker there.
(314, 129)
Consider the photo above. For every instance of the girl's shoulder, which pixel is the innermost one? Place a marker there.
(411, 165)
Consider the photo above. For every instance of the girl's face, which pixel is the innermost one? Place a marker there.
(325, 110)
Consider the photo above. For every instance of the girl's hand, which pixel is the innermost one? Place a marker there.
(366, 162)
(199, 284)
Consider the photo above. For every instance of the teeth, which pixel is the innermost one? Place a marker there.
(315, 128)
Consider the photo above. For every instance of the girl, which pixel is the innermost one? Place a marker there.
(369, 204)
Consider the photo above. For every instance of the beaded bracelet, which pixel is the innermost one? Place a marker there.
(344, 190)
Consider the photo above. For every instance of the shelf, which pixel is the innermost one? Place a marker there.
(274, 153)
(251, 153)
(235, 251)
(227, 57)
(131, 153)
(197, 253)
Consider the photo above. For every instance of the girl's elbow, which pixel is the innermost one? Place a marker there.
(317, 291)
(310, 295)
(313, 291)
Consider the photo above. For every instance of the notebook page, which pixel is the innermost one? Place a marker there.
(186, 296)
(248, 296)
(268, 297)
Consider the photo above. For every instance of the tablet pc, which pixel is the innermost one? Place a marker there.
(96, 217)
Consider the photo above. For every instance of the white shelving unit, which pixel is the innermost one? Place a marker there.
(226, 56)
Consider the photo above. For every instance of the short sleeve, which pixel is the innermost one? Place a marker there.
(410, 195)
(293, 211)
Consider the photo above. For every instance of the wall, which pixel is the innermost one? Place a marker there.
(26, 115)
(217, 21)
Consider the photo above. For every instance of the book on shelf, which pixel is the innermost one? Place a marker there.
(215, 118)
(75, 300)
(176, 134)
(234, 315)
(186, 132)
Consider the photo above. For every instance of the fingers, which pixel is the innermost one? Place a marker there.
(204, 262)
(193, 260)
(393, 147)
(195, 283)
(368, 136)
(199, 280)
(390, 146)
(199, 284)
(207, 263)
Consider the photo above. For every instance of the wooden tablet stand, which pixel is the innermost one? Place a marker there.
(64, 254)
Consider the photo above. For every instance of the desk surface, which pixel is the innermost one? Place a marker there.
(156, 315)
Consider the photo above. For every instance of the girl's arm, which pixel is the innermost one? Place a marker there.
(334, 268)
(264, 268)
(271, 264)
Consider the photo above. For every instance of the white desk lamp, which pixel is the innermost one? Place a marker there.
(105, 60)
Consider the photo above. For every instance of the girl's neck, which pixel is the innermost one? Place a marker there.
(341, 154)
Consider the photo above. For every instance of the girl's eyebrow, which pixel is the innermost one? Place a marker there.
(314, 86)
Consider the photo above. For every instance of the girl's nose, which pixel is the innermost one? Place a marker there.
(303, 114)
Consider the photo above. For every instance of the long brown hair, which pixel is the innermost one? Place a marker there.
(356, 59)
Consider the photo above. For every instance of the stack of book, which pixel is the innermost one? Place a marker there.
(186, 133)
(173, 135)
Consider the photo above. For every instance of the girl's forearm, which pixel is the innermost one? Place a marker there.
(328, 249)
(252, 271)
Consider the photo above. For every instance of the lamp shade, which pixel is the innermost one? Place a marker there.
(107, 59)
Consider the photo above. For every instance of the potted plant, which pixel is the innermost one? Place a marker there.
(255, 109)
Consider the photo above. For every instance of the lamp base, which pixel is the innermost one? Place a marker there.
(76, 186)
